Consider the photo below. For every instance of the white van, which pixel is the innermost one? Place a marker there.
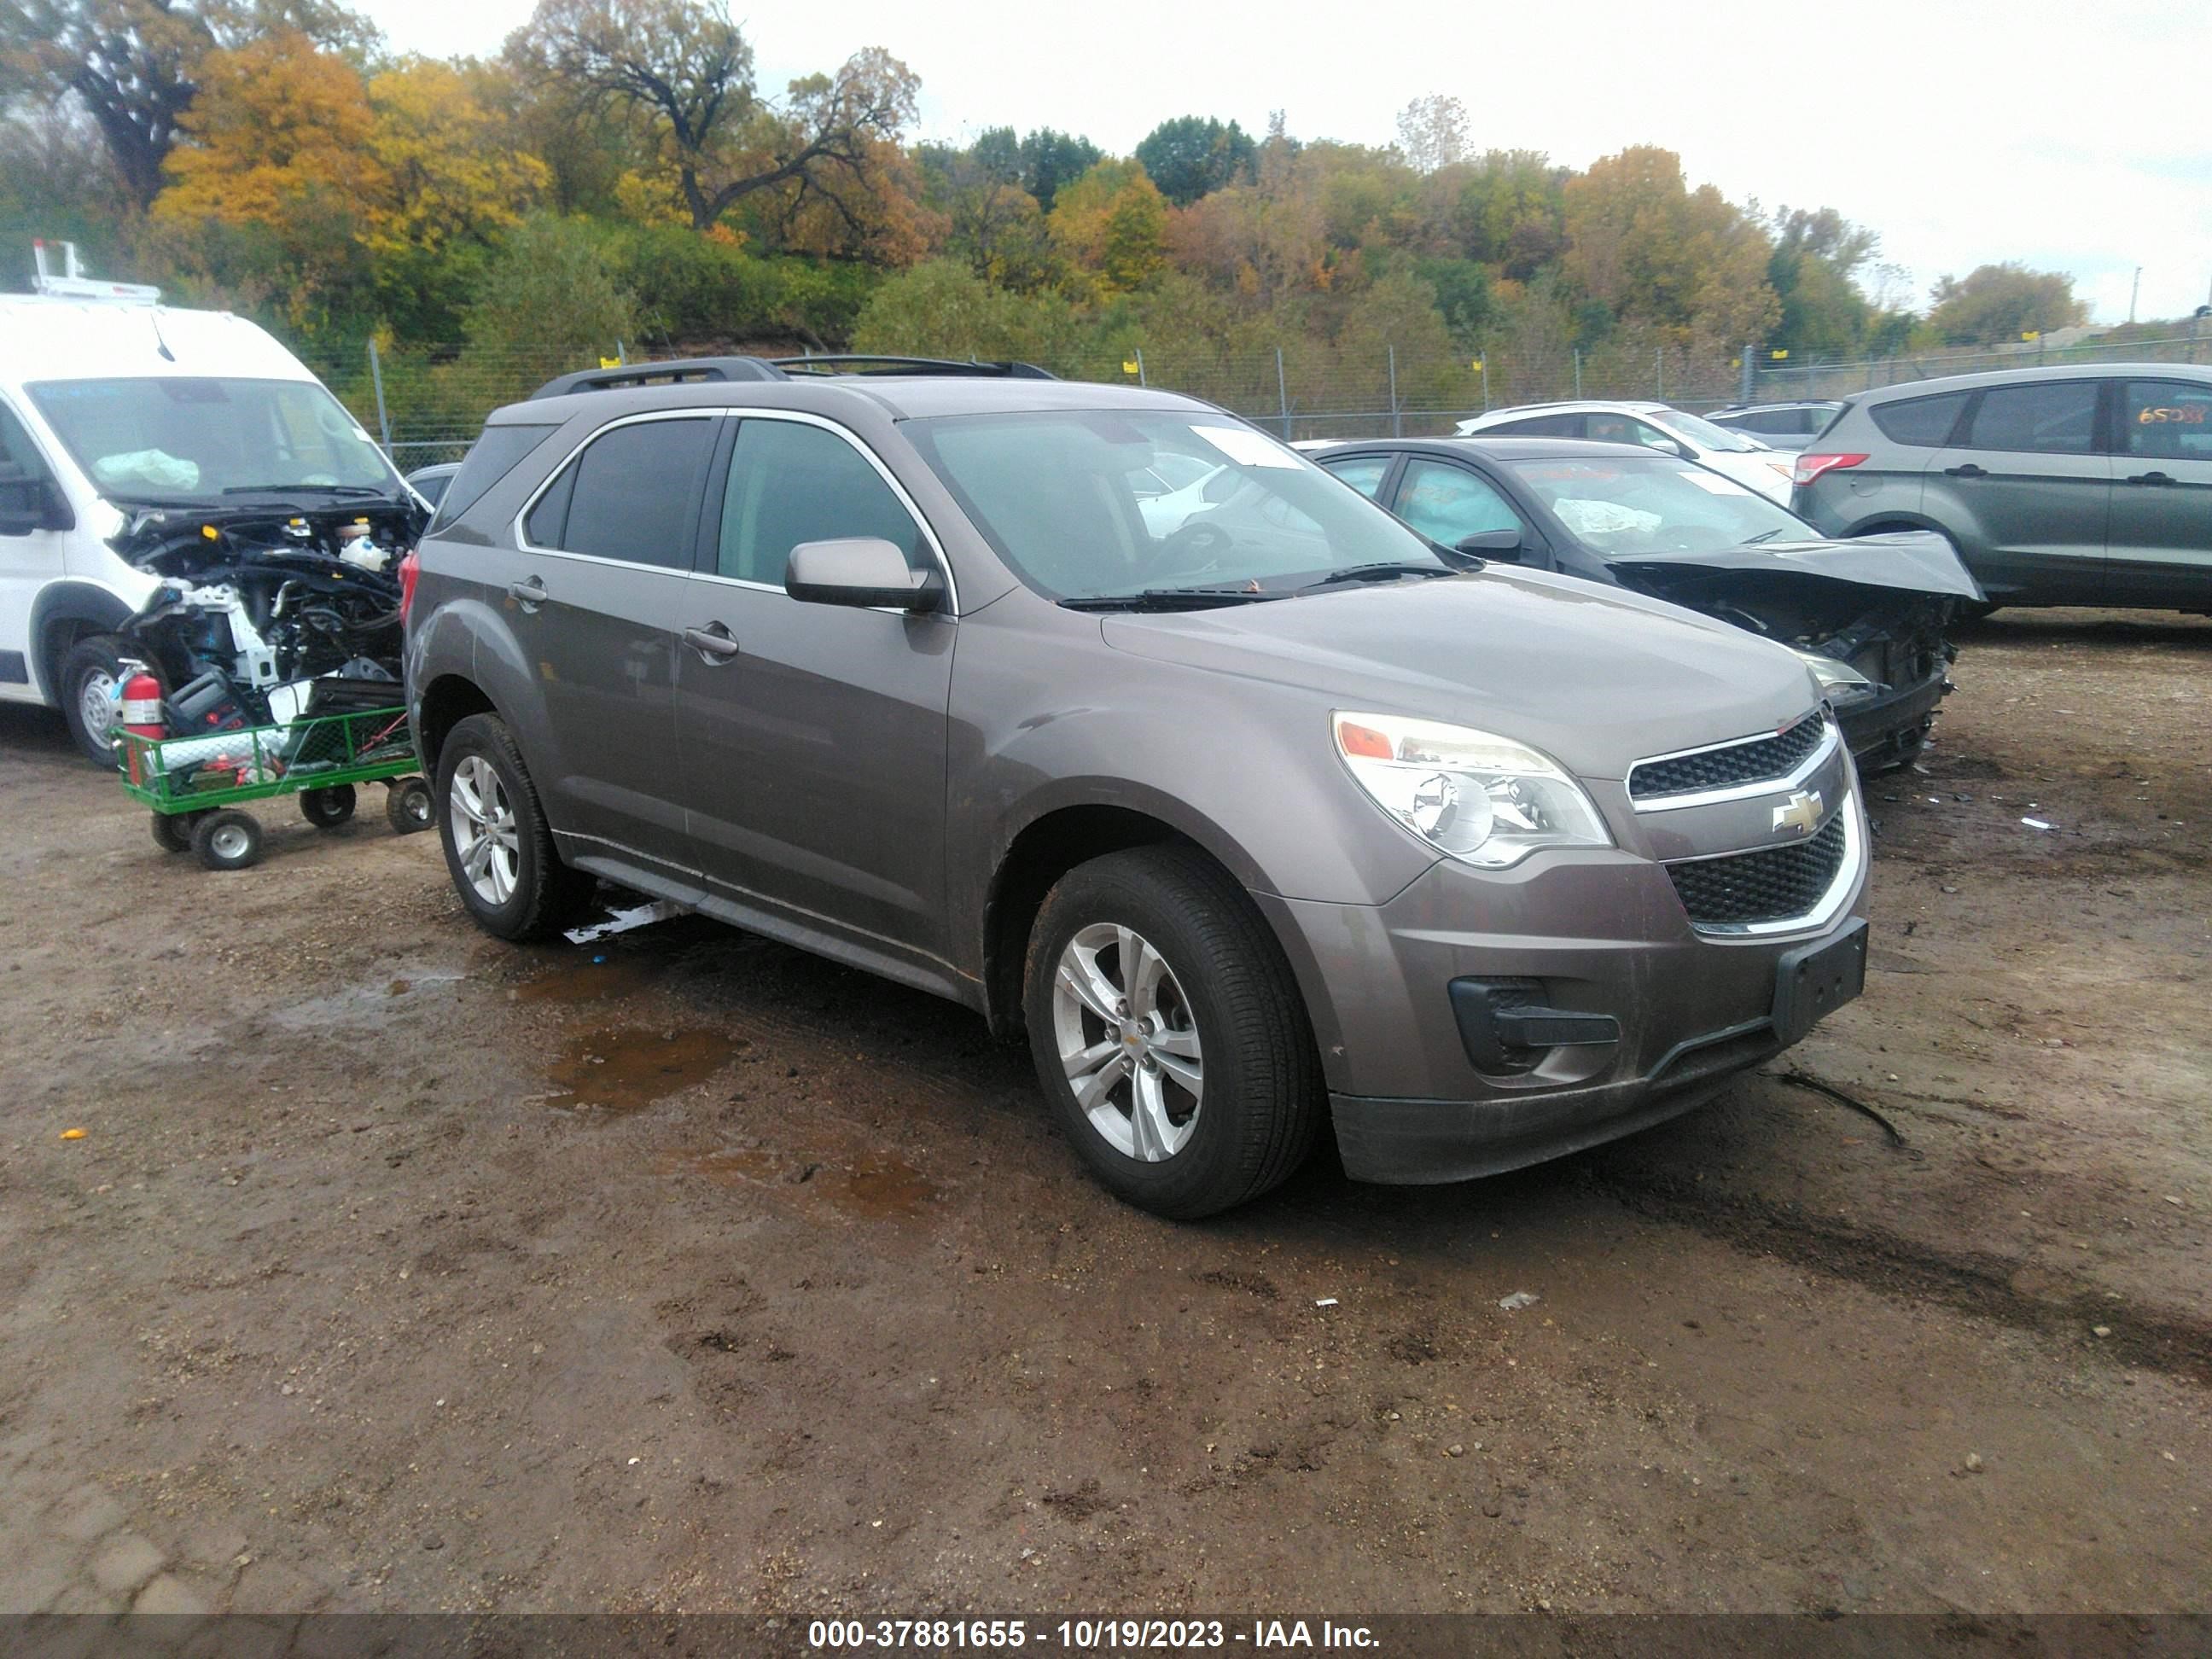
(140, 444)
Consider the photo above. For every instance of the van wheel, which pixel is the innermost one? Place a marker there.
(499, 847)
(1169, 1033)
(85, 686)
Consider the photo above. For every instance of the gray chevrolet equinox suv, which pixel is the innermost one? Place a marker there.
(2088, 484)
(1253, 809)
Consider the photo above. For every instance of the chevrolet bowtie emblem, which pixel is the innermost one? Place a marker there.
(1803, 812)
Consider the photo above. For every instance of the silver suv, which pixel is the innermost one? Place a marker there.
(2090, 484)
(1254, 820)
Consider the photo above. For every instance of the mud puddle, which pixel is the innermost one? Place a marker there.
(626, 1069)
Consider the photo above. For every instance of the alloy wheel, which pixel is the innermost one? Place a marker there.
(1127, 1042)
(485, 837)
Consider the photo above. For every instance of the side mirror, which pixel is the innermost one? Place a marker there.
(27, 504)
(862, 571)
(1503, 545)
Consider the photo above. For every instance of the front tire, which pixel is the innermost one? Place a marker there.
(228, 840)
(499, 847)
(85, 686)
(1169, 1033)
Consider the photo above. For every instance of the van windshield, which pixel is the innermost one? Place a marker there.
(179, 437)
(1089, 504)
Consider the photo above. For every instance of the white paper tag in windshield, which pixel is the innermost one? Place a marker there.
(1247, 447)
(1716, 483)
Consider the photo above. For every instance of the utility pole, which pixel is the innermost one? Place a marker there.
(2133, 293)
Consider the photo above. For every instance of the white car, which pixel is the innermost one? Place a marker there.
(1654, 426)
(127, 429)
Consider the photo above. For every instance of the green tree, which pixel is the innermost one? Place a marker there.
(1193, 156)
(1051, 159)
(1999, 302)
(548, 303)
(941, 308)
(1813, 270)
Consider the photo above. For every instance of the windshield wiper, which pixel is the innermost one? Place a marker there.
(1762, 536)
(291, 489)
(1168, 598)
(1376, 572)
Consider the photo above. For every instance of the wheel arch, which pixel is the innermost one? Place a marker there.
(447, 701)
(1045, 848)
(64, 613)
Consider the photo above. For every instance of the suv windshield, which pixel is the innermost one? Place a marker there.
(179, 438)
(1070, 500)
(1655, 504)
(1703, 433)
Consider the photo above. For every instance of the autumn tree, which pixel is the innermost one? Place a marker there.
(134, 64)
(991, 222)
(1112, 221)
(1642, 244)
(1433, 132)
(1193, 156)
(2003, 302)
(688, 70)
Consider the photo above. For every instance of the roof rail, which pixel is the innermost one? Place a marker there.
(675, 372)
(872, 363)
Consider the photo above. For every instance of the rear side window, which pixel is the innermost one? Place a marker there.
(630, 496)
(1923, 422)
(1543, 426)
(792, 483)
(1365, 473)
(2171, 420)
(491, 457)
(2051, 417)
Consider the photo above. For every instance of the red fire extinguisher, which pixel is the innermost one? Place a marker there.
(142, 716)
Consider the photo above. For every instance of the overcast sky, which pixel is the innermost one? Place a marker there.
(2073, 137)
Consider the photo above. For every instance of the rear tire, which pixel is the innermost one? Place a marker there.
(1205, 995)
(84, 685)
(499, 847)
(409, 806)
(328, 808)
(228, 840)
(173, 831)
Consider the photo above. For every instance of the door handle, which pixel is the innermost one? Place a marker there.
(529, 593)
(712, 642)
(2152, 478)
(1969, 471)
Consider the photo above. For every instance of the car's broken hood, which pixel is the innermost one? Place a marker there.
(1911, 561)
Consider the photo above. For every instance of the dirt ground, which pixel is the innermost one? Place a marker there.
(398, 1268)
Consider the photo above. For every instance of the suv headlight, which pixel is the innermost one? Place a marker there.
(1836, 678)
(1486, 800)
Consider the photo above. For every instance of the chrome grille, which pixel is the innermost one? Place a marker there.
(1775, 884)
(1729, 766)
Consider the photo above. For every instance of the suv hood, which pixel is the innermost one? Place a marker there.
(1596, 677)
(1911, 561)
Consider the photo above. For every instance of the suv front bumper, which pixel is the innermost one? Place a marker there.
(1603, 937)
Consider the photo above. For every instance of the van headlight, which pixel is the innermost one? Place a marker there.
(1485, 800)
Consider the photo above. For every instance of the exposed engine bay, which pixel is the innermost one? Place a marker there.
(1880, 608)
(261, 609)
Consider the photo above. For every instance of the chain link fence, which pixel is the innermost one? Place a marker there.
(427, 403)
